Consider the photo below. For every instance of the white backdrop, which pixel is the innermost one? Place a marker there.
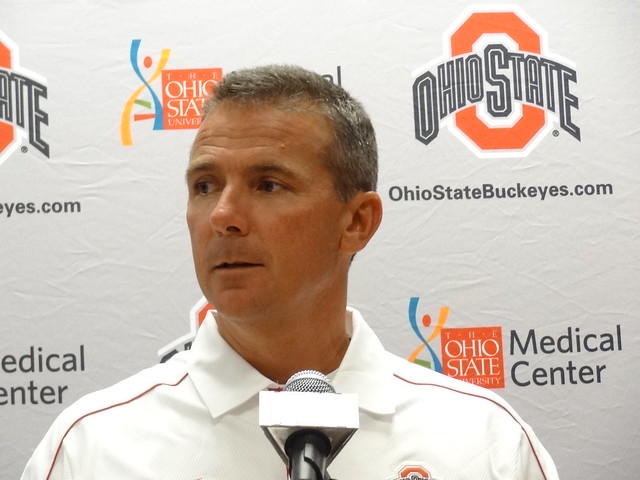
(535, 294)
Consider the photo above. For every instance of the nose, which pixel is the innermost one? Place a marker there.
(229, 216)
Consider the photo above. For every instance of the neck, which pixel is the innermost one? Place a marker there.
(280, 346)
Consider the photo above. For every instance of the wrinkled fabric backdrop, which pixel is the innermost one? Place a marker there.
(508, 138)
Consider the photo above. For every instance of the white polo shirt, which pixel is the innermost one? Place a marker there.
(195, 417)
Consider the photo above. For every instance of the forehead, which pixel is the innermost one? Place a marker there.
(233, 126)
(251, 139)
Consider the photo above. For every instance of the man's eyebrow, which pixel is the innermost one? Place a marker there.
(196, 167)
(269, 167)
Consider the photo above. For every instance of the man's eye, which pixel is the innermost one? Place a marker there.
(203, 188)
(269, 186)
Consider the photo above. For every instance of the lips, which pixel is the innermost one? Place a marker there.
(235, 265)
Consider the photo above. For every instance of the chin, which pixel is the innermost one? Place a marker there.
(236, 306)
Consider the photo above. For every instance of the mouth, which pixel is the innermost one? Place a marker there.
(235, 265)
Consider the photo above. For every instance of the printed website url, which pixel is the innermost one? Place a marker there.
(9, 210)
(488, 191)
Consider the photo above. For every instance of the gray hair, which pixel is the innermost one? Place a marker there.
(352, 158)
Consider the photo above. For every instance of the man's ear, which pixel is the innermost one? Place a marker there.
(365, 215)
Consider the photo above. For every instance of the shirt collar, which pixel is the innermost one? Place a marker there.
(222, 377)
(365, 368)
(225, 380)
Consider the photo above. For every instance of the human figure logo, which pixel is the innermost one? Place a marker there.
(497, 87)
(178, 106)
(472, 354)
(432, 361)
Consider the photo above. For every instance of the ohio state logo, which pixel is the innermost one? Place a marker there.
(497, 88)
(22, 94)
(197, 315)
(413, 472)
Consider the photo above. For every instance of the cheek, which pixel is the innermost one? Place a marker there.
(198, 228)
(190, 218)
(312, 234)
(197, 216)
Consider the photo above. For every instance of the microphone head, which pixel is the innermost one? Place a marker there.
(309, 381)
(302, 406)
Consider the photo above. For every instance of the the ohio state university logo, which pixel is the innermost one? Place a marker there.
(22, 95)
(413, 472)
(497, 88)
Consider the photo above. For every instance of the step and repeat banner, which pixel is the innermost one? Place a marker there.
(509, 137)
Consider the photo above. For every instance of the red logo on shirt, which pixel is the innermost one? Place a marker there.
(413, 472)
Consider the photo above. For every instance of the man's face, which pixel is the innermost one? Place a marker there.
(264, 218)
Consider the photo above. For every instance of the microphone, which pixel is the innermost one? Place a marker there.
(308, 423)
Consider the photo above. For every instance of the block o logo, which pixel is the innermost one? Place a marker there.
(532, 120)
(495, 90)
(197, 315)
(7, 137)
(414, 472)
(22, 95)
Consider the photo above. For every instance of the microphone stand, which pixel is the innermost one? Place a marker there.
(307, 451)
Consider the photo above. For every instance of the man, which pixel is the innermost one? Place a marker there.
(282, 181)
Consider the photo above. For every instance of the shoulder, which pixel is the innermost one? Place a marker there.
(452, 408)
(146, 383)
(100, 406)
(422, 383)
